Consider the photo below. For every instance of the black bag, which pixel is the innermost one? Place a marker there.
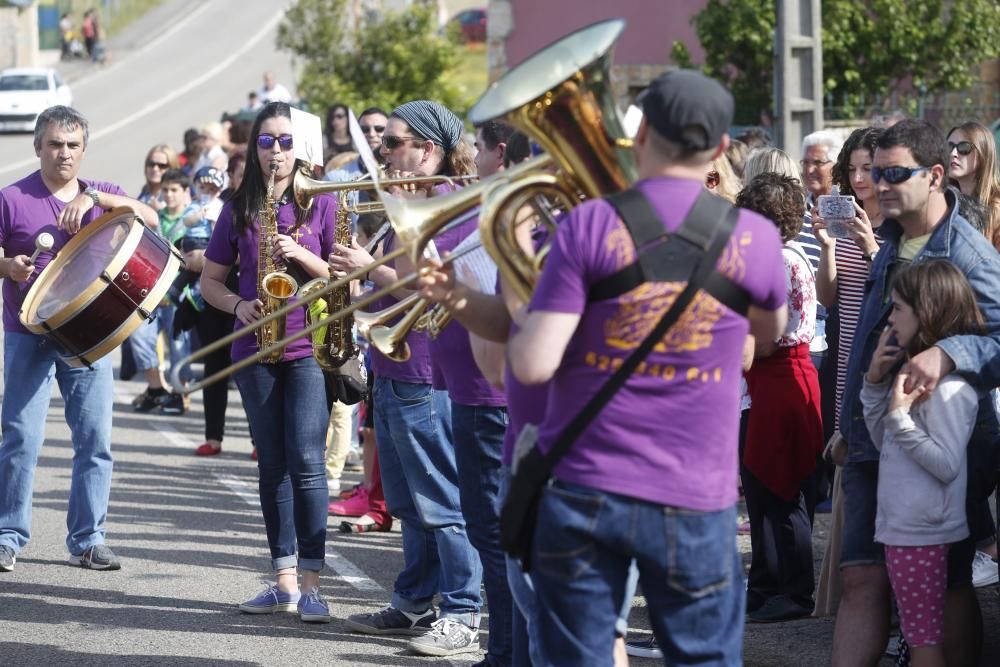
(695, 246)
(349, 383)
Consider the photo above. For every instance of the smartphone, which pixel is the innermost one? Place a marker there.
(836, 210)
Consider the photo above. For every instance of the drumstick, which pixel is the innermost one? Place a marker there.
(43, 242)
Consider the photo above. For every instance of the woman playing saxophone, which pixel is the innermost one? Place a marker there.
(264, 230)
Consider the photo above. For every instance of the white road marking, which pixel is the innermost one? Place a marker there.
(345, 570)
(350, 573)
(172, 95)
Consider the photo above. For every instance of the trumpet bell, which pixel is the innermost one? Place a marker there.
(387, 341)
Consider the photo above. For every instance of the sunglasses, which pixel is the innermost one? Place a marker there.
(392, 143)
(159, 165)
(895, 175)
(379, 129)
(963, 147)
(340, 115)
(266, 141)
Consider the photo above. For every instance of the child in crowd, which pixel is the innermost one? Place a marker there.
(922, 439)
(175, 189)
(208, 184)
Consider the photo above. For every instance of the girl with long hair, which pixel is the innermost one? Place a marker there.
(159, 160)
(922, 438)
(287, 422)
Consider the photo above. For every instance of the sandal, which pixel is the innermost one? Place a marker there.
(366, 524)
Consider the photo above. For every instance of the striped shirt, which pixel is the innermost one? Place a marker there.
(852, 272)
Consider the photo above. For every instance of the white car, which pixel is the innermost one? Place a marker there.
(26, 92)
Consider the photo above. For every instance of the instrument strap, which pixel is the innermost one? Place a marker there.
(715, 225)
(665, 257)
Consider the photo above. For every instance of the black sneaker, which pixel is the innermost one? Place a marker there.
(643, 648)
(152, 399)
(7, 559)
(391, 621)
(97, 557)
(137, 401)
(173, 405)
(779, 608)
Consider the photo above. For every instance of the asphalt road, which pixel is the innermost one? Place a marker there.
(189, 530)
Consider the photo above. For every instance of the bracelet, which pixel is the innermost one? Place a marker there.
(236, 307)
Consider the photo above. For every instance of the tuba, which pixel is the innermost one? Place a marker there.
(561, 97)
(274, 286)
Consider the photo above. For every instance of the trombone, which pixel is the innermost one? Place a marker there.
(305, 187)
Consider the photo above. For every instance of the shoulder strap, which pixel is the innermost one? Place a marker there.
(716, 239)
(673, 257)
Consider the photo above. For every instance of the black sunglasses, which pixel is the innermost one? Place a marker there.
(895, 175)
(392, 143)
(963, 147)
(158, 165)
(379, 129)
(266, 141)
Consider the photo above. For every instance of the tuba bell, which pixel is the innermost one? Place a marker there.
(562, 98)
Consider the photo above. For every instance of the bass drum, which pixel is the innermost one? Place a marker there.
(104, 283)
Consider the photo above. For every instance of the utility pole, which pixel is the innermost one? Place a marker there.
(798, 72)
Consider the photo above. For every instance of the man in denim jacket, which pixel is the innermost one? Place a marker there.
(922, 222)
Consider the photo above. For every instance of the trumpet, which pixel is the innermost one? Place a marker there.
(304, 187)
(412, 243)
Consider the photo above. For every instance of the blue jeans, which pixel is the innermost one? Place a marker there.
(689, 569)
(417, 461)
(479, 433)
(288, 417)
(144, 339)
(30, 364)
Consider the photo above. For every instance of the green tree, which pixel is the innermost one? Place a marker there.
(871, 48)
(391, 58)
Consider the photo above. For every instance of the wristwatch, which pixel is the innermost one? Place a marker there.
(94, 194)
(870, 257)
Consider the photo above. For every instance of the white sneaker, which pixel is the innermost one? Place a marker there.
(984, 570)
(447, 637)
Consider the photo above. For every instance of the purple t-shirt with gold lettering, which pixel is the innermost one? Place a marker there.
(226, 247)
(28, 208)
(669, 436)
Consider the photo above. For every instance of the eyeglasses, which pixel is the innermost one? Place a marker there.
(379, 129)
(266, 141)
(815, 164)
(340, 115)
(392, 143)
(159, 165)
(895, 175)
(963, 147)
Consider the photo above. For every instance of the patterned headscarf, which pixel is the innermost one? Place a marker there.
(432, 121)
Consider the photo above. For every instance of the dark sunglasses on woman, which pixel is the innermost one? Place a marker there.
(266, 141)
(963, 147)
(159, 165)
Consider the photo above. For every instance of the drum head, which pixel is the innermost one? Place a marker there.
(77, 268)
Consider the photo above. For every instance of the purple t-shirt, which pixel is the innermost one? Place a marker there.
(669, 436)
(416, 369)
(226, 247)
(451, 351)
(27, 209)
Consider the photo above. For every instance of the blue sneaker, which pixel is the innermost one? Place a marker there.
(271, 600)
(313, 608)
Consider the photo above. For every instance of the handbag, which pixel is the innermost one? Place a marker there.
(695, 247)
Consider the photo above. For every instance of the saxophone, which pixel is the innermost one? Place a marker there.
(274, 286)
(333, 344)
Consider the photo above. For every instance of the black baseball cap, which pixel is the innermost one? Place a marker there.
(688, 108)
